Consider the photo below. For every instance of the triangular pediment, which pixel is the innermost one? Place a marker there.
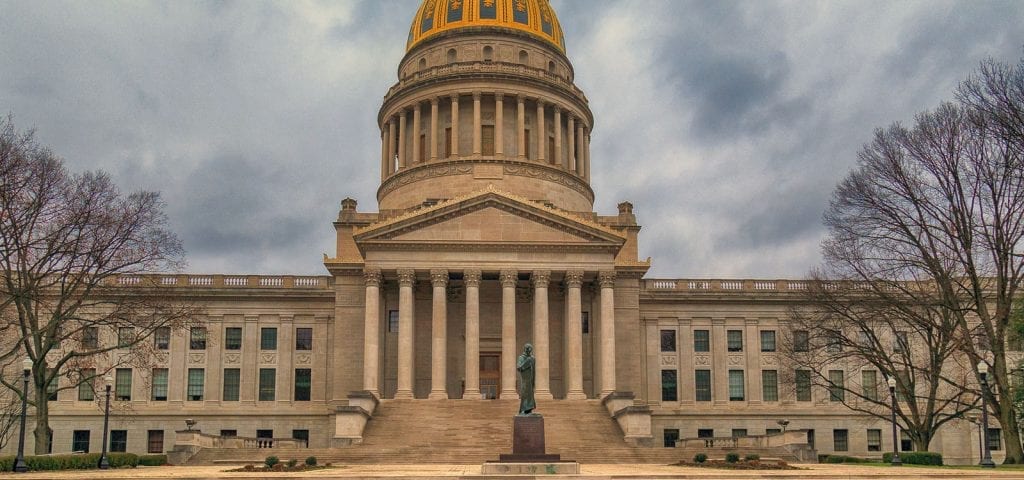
(492, 218)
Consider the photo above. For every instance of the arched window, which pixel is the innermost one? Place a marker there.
(423, 64)
(524, 57)
(452, 56)
(488, 53)
(551, 68)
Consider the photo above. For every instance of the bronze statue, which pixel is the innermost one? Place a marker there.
(527, 374)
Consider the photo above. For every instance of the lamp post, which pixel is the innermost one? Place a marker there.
(104, 462)
(19, 462)
(976, 420)
(895, 441)
(986, 460)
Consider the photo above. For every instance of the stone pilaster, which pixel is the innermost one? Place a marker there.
(417, 155)
(542, 134)
(403, 137)
(406, 334)
(607, 283)
(499, 124)
(433, 127)
(371, 332)
(570, 163)
(508, 278)
(472, 282)
(574, 325)
(439, 336)
(477, 125)
(558, 136)
(521, 127)
(455, 126)
(541, 346)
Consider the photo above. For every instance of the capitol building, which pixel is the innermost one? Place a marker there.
(483, 238)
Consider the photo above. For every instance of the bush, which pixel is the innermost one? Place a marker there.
(750, 457)
(732, 457)
(292, 463)
(152, 460)
(700, 458)
(916, 458)
(311, 461)
(842, 459)
(271, 461)
(122, 460)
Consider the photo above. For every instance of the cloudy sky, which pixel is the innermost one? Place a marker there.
(726, 123)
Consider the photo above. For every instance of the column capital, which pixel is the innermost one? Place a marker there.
(499, 95)
(606, 278)
(471, 277)
(556, 108)
(509, 278)
(477, 95)
(406, 277)
(574, 278)
(439, 278)
(434, 101)
(373, 277)
(541, 103)
(521, 98)
(392, 120)
(540, 278)
(454, 97)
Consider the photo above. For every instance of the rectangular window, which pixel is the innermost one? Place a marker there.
(669, 387)
(772, 431)
(268, 338)
(268, 384)
(836, 383)
(668, 340)
(585, 316)
(770, 385)
(906, 443)
(232, 381)
(125, 336)
(162, 338)
(702, 385)
(874, 440)
(767, 340)
(801, 341)
(301, 435)
(803, 385)
(869, 382)
(669, 437)
(159, 385)
(303, 338)
(487, 140)
(119, 440)
(196, 382)
(903, 386)
(233, 338)
(448, 142)
(303, 382)
(705, 433)
(526, 141)
(736, 385)
(123, 384)
(739, 432)
(392, 321)
(840, 440)
(424, 153)
(901, 343)
(995, 439)
(90, 338)
(735, 340)
(229, 433)
(51, 388)
(551, 149)
(833, 342)
(863, 339)
(701, 341)
(197, 338)
(155, 441)
(80, 441)
(86, 389)
(264, 433)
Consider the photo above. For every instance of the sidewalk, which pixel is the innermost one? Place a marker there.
(449, 472)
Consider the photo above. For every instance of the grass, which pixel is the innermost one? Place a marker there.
(947, 467)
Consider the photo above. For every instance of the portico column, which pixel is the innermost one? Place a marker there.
(433, 128)
(392, 127)
(542, 137)
(570, 163)
(439, 331)
(499, 124)
(574, 325)
(403, 134)
(455, 126)
(541, 348)
(521, 126)
(371, 332)
(508, 278)
(406, 334)
(471, 278)
(579, 149)
(417, 155)
(607, 281)
(558, 136)
(477, 150)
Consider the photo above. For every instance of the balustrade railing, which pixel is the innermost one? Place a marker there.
(221, 281)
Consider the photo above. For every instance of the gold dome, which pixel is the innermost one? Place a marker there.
(535, 17)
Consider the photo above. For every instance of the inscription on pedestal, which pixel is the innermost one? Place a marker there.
(528, 435)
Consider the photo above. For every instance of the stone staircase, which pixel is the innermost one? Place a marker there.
(468, 432)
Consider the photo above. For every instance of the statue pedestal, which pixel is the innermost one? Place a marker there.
(528, 457)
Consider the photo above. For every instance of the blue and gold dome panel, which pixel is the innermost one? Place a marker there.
(535, 17)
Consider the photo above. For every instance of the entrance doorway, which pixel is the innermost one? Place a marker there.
(490, 375)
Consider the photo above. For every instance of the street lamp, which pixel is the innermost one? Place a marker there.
(895, 441)
(104, 463)
(986, 461)
(19, 463)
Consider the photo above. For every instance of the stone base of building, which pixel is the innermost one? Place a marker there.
(555, 468)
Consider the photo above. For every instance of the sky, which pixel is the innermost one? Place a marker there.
(726, 123)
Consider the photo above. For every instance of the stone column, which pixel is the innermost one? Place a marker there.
(499, 124)
(579, 148)
(406, 334)
(508, 278)
(558, 136)
(586, 156)
(433, 128)
(417, 155)
(574, 325)
(607, 281)
(383, 154)
(471, 278)
(392, 129)
(371, 332)
(439, 336)
(455, 125)
(521, 127)
(541, 347)
(542, 136)
(570, 163)
(477, 126)
(403, 135)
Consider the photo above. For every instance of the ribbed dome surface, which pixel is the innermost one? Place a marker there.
(535, 17)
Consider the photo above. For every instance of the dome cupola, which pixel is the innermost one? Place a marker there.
(534, 17)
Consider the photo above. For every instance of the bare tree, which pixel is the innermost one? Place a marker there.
(65, 240)
(935, 214)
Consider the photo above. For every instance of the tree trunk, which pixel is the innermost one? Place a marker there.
(1011, 436)
(42, 431)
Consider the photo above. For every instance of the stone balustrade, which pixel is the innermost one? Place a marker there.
(759, 286)
(223, 281)
(495, 68)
